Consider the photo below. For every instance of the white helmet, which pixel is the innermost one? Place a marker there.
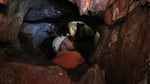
(56, 42)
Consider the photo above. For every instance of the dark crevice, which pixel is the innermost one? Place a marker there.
(3, 8)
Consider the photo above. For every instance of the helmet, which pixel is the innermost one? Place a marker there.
(73, 27)
(56, 42)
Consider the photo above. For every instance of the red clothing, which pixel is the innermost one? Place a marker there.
(68, 59)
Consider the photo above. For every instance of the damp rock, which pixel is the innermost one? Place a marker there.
(42, 9)
(18, 73)
(37, 32)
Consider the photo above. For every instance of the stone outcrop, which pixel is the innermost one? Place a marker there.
(17, 73)
(36, 33)
(111, 10)
(12, 19)
(126, 47)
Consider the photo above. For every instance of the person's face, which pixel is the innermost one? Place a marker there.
(67, 44)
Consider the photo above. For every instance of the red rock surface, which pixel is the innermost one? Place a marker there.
(11, 19)
(3, 1)
(113, 9)
(94, 75)
(17, 73)
(126, 48)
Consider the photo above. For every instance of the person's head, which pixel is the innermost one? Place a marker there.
(62, 43)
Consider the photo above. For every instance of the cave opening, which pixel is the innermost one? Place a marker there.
(121, 56)
(47, 18)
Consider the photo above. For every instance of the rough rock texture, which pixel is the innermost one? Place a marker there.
(36, 32)
(125, 49)
(11, 20)
(4, 19)
(94, 75)
(17, 73)
(111, 10)
(42, 9)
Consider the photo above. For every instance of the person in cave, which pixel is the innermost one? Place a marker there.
(68, 58)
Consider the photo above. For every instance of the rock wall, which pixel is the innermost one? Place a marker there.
(125, 49)
(111, 10)
(12, 19)
(18, 73)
